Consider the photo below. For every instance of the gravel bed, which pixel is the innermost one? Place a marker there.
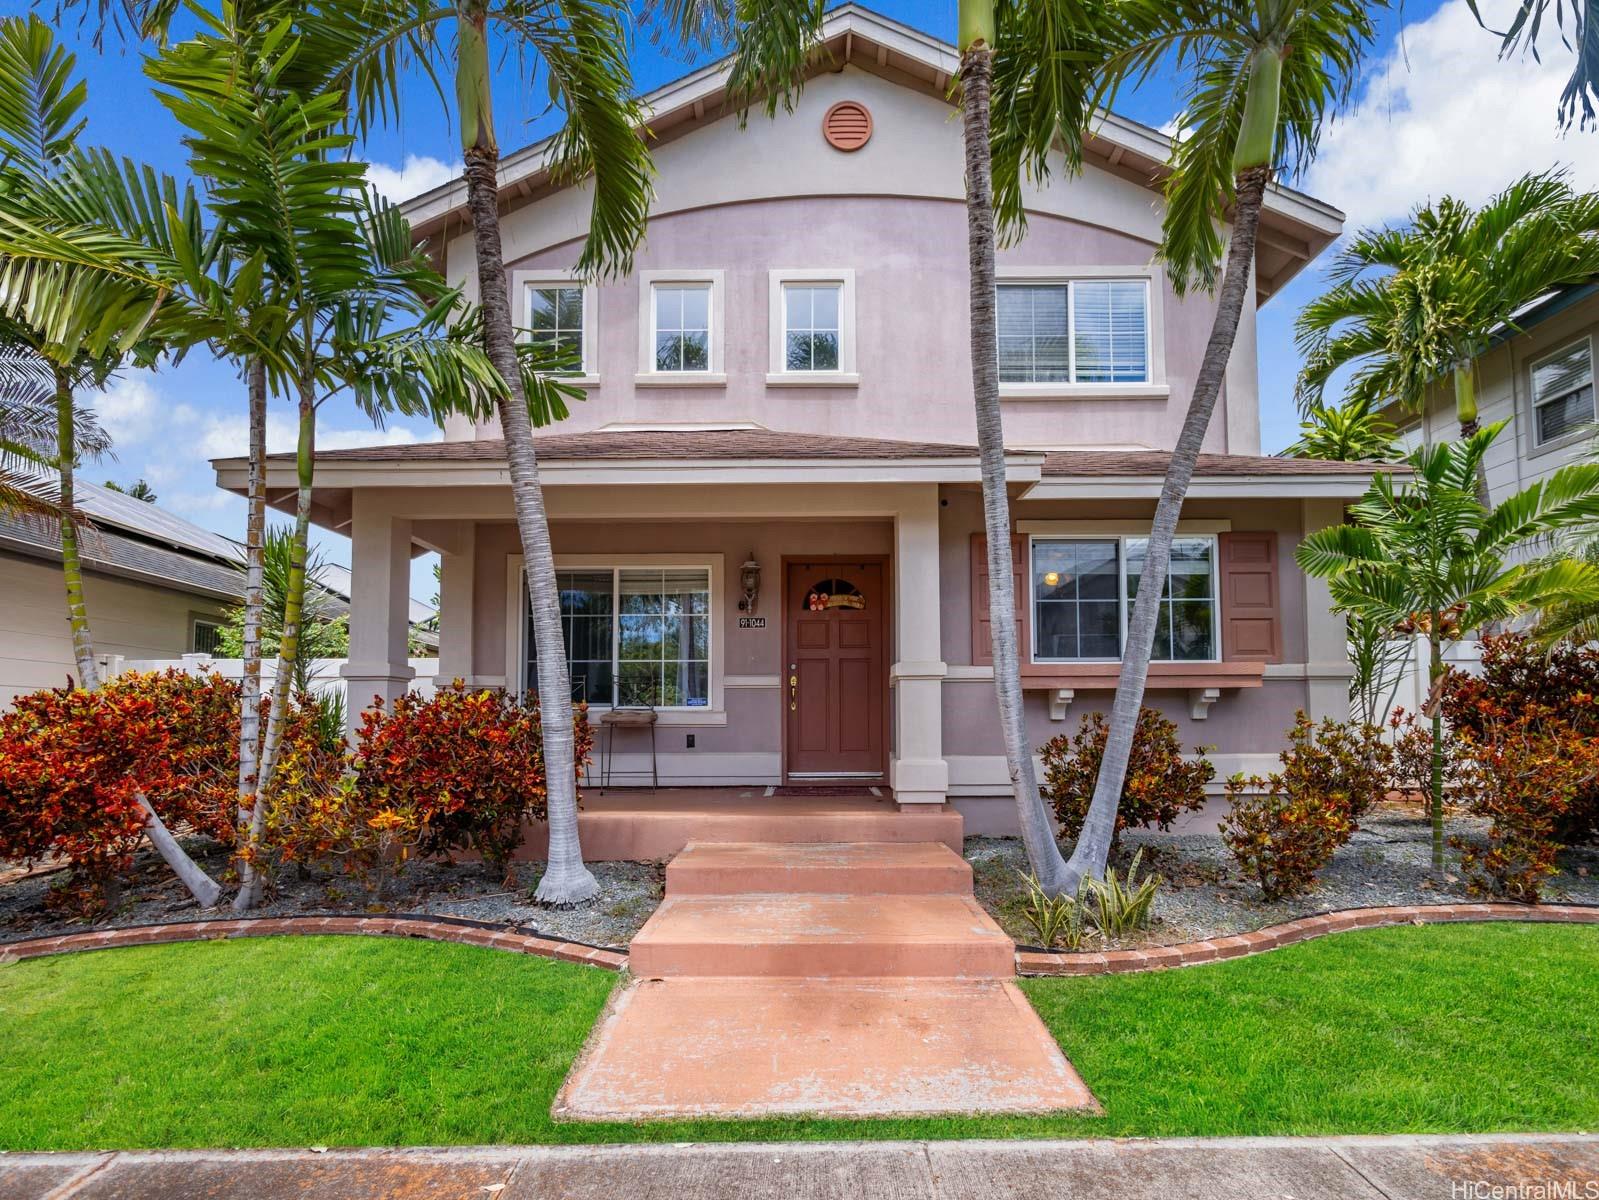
(1204, 895)
(628, 895)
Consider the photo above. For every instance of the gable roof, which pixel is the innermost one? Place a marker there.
(1294, 227)
(107, 551)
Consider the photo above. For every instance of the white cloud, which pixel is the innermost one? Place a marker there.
(228, 436)
(1441, 114)
(129, 409)
(420, 173)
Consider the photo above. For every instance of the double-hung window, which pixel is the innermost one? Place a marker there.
(812, 318)
(1083, 590)
(1081, 331)
(682, 326)
(558, 315)
(811, 326)
(1562, 392)
(634, 636)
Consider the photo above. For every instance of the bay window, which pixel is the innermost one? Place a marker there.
(634, 635)
(1083, 589)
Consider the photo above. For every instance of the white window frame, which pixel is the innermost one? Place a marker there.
(1155, 388)
(1538, 444)
(523, 283)
(713, 712)
(647, 375)
(1121, 533)
(778, 374)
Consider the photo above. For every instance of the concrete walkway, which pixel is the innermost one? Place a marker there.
(1400, 1168)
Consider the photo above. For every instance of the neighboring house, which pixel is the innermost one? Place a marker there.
(766, 515)
(155, 586)
(1540, 377)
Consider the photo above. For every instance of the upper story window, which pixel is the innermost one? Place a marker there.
(559, 311)
(1562, 392)
(812, 334)
(1083, 593)
(1076, 335)
(680, 328)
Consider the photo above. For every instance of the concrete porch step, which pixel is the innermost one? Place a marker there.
(821, 937)
(836, 868)
(856, 1047)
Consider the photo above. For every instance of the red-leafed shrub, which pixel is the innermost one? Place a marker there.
(1529, 772)
(1161, 784)
(466, 766)
(73, 765)
(1555, 690)
(1340, 762)
(1282, 838)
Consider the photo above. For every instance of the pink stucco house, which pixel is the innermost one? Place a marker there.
(766, 515)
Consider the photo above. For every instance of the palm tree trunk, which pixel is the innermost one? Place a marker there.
(1435, 670)
(252, 880)
(566, 881)
(1093, 845)
(71, 561)
(254, 550)
(1043, 855)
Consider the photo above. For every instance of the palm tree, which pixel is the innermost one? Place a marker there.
(1350, 433)
(1260, 78)
(30, 434)
(1414, 304)
(1582, 88)
(1428, 554)
(582, 48)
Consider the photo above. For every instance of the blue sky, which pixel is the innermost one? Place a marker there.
(1434, 113)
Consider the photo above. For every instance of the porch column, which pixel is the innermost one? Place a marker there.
(1327, 669)
(380, 586)
(457, 572)
(919, 774)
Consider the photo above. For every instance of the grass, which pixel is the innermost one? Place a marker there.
(340, 1041)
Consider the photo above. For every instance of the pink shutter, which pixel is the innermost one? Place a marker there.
(1251, 611)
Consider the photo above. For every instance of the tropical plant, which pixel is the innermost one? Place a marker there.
(30, 437)
(1124, 906)
(581, 46)
(1412, 305)
(1352, 432)
(1055, 920)
(139, 489)
(324, 632)
(1258, 81)
(1424, 553)
(1582, 37)
(1282, 837)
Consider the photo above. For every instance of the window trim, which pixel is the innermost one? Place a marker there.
(647, 375)
(714, 712)
(195, 621)
(1537, 445)
(777, 372)
(523, 281)
(1156, 388)
(1119, 533)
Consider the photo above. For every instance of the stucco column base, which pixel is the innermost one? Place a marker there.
(365, 682)
(919, 781)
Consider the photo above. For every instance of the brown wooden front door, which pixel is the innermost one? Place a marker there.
(834, 697)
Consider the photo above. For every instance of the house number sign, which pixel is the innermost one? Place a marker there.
(752, 622)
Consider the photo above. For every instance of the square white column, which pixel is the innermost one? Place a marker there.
(457, 579)
(1327, 666)
(380, 605)
(918, 772)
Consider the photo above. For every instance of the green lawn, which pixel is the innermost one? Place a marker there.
(337, 1041)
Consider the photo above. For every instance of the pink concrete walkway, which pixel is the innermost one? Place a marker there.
(842, 979)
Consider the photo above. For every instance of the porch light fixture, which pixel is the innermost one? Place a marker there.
(749, 579)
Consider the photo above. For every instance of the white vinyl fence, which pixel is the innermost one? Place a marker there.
(1410, 690)
(325, 676)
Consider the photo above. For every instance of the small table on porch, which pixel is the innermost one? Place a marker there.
(626, 718)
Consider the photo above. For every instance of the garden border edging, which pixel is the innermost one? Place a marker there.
(437, 929)
(1302, 929)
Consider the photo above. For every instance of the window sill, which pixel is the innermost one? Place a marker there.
(680, 379)
(1099, 676)
(816, 379)
(586, 380)
(1084, 391)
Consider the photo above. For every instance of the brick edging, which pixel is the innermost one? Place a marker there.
(440, 930)
(1188, 954)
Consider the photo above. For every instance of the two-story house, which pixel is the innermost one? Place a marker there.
(766, 515)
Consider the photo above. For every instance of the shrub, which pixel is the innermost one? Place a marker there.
(467, 766)
(1342, 762)
(1161, 784)
(1057, 920)
(73, 765)
(1282, 838)
(1557, 689)
(1529, 772)
(1121, 907)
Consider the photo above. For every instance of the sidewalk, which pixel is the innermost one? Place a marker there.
(1545, 1167)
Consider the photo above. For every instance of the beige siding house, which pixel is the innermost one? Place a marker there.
(766, 514)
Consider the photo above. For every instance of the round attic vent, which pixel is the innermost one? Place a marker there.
(847, 125)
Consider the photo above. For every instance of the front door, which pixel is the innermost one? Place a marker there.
(833, 680)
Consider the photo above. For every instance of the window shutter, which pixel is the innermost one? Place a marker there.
(982, 638)
(1251, 615)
